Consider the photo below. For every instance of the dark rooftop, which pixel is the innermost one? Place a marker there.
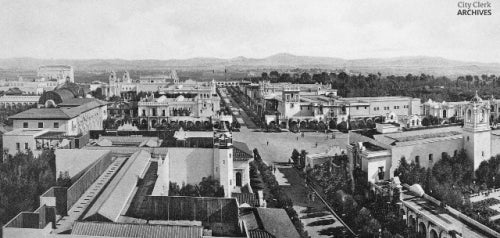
(135, 230)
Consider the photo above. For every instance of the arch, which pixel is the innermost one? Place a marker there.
(412, 222)
(153, 123)
(238, 179)
(164, 122)
(433, 234)
(144, 122)
(422, 229)
(445, 114)
(402, 213)
(469, 115)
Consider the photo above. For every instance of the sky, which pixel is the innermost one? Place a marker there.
(164, 29)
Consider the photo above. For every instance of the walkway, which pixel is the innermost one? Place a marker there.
(78, 209)
(317, 219)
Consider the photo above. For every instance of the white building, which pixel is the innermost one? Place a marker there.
(58, 73)
(379, 153)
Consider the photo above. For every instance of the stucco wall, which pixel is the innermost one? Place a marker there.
(190, 165)
(436, 148)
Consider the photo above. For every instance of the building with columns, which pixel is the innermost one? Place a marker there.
(447, 110)
(295, 107)
(189, 101)
(126, 87)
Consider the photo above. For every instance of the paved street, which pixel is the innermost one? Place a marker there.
(317, 220)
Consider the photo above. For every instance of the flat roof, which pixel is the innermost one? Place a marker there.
(75, 161)
(423, 136)
(440, 216)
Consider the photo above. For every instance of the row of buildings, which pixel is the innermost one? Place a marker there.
(47, 78)
(285, 104)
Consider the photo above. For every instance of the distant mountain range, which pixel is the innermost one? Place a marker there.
(283, 61)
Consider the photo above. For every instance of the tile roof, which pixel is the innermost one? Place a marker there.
(259, 234)
(42, 113)
(135, 230)
(248, 198)
(241, 151)
(57, 113)
(205, 209)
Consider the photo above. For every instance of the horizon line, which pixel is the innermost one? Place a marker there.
(256, 58)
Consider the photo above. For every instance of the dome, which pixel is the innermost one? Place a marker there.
(417, 190)
(476, 99)
(179, 98)
(161, 99)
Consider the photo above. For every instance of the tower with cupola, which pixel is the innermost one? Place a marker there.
(223, 159)
(477, 131)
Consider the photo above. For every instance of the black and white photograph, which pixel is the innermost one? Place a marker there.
(250, 119)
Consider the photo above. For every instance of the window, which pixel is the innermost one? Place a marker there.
(431, 158)
(144, 112)
(482, 153)
(26, 146)
(238, 179)
(18, 146)
(56, 124)
(381, 173)
(417, 159)
(40, 125)
(25, 125)
(163, 113)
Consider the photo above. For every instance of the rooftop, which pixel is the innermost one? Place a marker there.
(441, 216)
(423, 136)
(135, 230)
(117, 194)
(59, 112)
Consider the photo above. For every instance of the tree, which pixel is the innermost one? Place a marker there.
(367, 224)
(210, 187)
(302, 159)
(256, 155)
(174, 189)
(64, 180)
(295, 156)
(115, 99)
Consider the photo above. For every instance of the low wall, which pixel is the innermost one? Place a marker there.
(87, 179)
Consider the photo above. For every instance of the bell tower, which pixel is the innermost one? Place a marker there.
(477, 131)
(223, 159)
